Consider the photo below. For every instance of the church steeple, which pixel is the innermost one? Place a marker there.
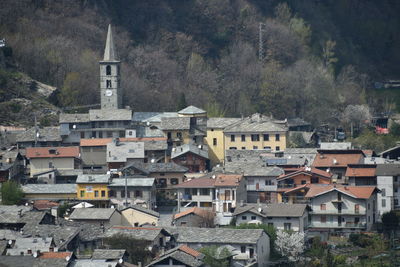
(110, 54)
(110, 89)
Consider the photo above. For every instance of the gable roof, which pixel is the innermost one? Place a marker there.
(273, 210)
(46, 134)
(360, 170)
(197, 183)
(149, 168)
(144, 210)
(307, 171)
(256, 123)
(337, 158)
(108, 254)
(106, 115)
(191, 110)
(92, 214)
(194, 210)
(220, 123)
(189, 148)
(104, 141)
(144, 233)
(175, 123)
(225, 179)
(122, 151)
(49, 188)
(73, 117)
(52, 152)
(252, 168)
(183, 254)
(388, 169)
(363, 192)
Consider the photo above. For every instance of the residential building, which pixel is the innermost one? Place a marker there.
(93, 188)
(137, 216)
(361, 174)
(179, 256)
(12, 165)
(256, 132)
(31, 246)
(342, 208)
(280, 215)
(103, 216)
(140, 191)
(336, 161)
(215, 138)
(391, 153)
(199, 192)
(119, 154)
(230, 189)
(193, 157)
(176, 130)
(388, 182)
(39, 137)
(54, 192)
(251, 245)
(44, 159)
(194, 217)
(16, 217)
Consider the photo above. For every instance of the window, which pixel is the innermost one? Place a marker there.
(255, 147)
(122, 193)
(396, 202)
(288, 218)
(51, 165)
(323, 206)
(243, 148)
(323, 218)
(138, 193)
(266, 137)
(314, 180)
(269, 182)
(136, 224)
(174, 181)
(303, 181)
(183, 223)
(233, 148)
(169, 134)
(82, 193)
(277, 148)
(128, 194)
(162, 174)
(29, 251)
(232, 138)
(253, 217)
(179, 135)
(242, 249)
(100, 134)
(204, 191)
(383, 203)
(383, 192)
(111, 193)
(395, 178)
(214, 141)
(243, 138)
(357, 208)
(277, 137)
(52, 151)
(369, 206)
(82, 134)
(287, 226)
(108, 83)
(108, 70)
(267, 147)
(244, 217)
(103, 193)
(96, 193)
(109, 134)
(255, 137)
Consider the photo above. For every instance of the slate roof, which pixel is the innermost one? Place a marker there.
(144, 210)
(141, 116)
(157, 118)
(92, 214)
(88, 231)
(186, 148)
(388, 169)
(46, 134)
(110, 53)
(132, 181)
(150, 143)
(53, 152)
(143, 233)
(122, 151)
(175, 123)
(363, 192)
(108, 254)
(20, 261)
(253, 169)
(273, 210)
(211, 236)
(49, 188)
(6, 234)
(10, 214)
(94, 263)
(294, 122)
(183, 254)
(110, 115)
(73, 117)
(157, 167)
(93, 179)
(155, 145)
(191, 110)
(256, 123)
(335, 145)
(220, 123)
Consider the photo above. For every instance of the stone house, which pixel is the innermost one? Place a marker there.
(193, 157)
(194, 217)
(104, 216)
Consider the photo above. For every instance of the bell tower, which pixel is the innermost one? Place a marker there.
(110, 90)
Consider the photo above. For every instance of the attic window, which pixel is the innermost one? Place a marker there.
(52, 151)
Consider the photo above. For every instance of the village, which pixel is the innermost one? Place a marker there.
(120, 187)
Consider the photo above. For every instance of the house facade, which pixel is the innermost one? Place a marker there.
(94, 189)
(193, 157)
(388, 182)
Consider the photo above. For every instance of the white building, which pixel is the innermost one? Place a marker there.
(388, 183)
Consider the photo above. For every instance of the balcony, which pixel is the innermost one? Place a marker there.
(253, 187)
(336, 225)
(338, 212)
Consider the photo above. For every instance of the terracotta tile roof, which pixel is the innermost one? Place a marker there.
(307, 171)
(290, 190)
(52, 152)
(228, 180)
(197, 183)
(105, 141)
(44, 204)
(189, 251)
(195, 210)
(324, 159)
(363, 192)
(55, 255)
(353, 171)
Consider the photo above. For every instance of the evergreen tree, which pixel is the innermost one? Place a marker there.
(181, 102)
(11, 193)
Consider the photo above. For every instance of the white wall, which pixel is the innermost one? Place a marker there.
(385, 184)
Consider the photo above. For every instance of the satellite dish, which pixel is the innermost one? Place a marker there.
(35, 255)
(26, 204)
(148, 123)
(10, 242)
(199, 146)
(120, 261)
(213, 176)
(74, 126)
(37, 134)
(153, 160)
(112, 206)
(259, 209)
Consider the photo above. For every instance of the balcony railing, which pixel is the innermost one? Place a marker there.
(338, 212)
(336, 225)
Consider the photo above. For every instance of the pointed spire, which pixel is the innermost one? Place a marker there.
(110, 54)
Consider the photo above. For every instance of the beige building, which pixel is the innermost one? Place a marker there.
(137, 216)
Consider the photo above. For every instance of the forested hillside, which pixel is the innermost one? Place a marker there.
(319, 56)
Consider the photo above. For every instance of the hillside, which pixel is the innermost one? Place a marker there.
(319, 56)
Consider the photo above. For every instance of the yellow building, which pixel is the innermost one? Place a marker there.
(93, 188)
(215, 138)
(256, 132)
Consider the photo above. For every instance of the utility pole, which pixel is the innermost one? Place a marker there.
(126, 190)
(260, 42)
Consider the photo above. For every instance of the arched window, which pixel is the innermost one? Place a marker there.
(108, 70)
(108, 84)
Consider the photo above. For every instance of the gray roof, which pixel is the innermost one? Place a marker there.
(49, 188)
(108, 254)
(88, 231)
(273, 210)
(33, 243)
(93, 179)
(256, 123)
(141, 116)
(144, 210)
(216, 235)
(177, 123)
(335, 145)
(257, 168)
(297, 122)
(6, 234)
(10, 214)
(221, 123)
(39, 262)
(46, 134)
(191, 110)
(92, 214)
(110, 53)
(183, 149)
(20, 261)
(74, 117)
(110, 115)
(69, 172)
(132, 181)
(157, 118)
(148, 234)
(388, 170)
(94, 263)
(157, 167)
(122, 151)
(181, 256)
(155, 145)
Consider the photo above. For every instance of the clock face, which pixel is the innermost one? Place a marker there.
(108, 93)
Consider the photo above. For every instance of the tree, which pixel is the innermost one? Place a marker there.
(137, 249)
(395, 129)
(290, 244)
(390, 221)
(216, 256)
(356, 115)
(181, 102)
(11, 193)
(328, 55)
